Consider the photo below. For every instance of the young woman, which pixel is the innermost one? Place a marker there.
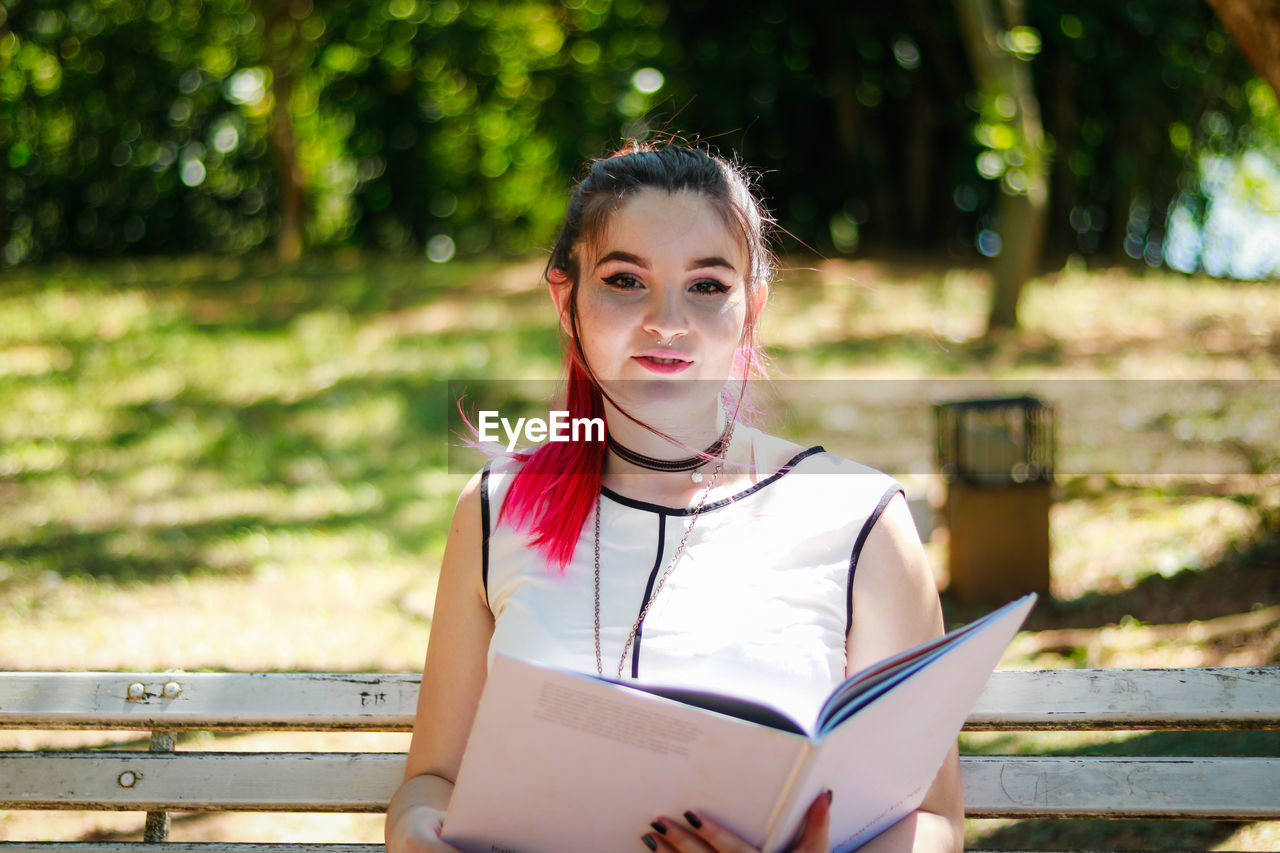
(688, 549)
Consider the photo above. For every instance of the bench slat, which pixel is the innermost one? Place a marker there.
(209, 701)
(1063, 786)
(201, 781)
(995, 786)
(1234, 697)
(1222, 697)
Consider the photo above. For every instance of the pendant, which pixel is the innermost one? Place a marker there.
(696, 476)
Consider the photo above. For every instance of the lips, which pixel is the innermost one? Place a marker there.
(665, 362)
(664, 355)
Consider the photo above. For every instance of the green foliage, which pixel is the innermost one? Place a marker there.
(118, 137)
(162, 126)
(1129, 93)
(145, 127)
(862, 117)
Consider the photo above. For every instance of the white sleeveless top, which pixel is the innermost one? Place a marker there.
(758, 606)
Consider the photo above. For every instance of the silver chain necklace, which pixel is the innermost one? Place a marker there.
(662, 579)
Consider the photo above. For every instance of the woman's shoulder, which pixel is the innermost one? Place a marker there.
(496, 474)
(825, 483)
(783, 455)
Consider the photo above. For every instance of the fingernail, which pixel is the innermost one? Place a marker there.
(693, 819)
(830, 796)
(649, 841)
(660, 827)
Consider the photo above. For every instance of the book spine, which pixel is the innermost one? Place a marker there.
(773, 838)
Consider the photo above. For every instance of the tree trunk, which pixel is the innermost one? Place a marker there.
(290, 182)
(1255, 25)
(293, 191)
(1023, 210)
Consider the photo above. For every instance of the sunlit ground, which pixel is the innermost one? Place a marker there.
(213, 463)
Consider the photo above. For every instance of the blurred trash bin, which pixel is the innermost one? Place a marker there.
(997, 457)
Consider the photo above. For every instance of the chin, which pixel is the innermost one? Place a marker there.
(688, 394)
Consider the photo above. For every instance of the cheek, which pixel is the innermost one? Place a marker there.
(600, 329)
(730, 321)
(599, 317)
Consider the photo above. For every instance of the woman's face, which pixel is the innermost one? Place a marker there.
(662, 295)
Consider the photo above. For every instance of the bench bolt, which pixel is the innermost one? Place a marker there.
(172, 690)
(128, 779)
(137, 690)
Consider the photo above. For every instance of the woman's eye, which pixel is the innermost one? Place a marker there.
(623, 281)
(710, 285)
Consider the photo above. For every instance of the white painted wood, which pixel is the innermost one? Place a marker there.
(995, 786)
(212, 701)
(1245, 697)
(1224, 697)
(1066, 786)
(200, 781)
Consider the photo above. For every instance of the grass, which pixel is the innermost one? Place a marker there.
(220, 463)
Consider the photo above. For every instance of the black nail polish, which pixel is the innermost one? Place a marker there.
(831, 795)
(659, 827)
(649, 842)
(693, 820)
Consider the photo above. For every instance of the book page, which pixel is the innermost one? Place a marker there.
(561, 761)
(881, 761)
(743, 709)
(863, 687)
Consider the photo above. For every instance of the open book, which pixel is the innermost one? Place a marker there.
(564, 761)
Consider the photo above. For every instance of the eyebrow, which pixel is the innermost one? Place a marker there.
(700, 263)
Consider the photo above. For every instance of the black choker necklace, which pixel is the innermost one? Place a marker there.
(691, 463)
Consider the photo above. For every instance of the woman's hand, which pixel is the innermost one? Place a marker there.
(415, 816)
(418, 831)
(695, 834)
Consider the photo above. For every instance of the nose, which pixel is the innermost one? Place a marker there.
(665, 318)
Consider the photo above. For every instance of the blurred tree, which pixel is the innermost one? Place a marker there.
(1126, 150)
(134, 126)
(854, 114)
(861, 118)
(288, 53)
(472, 121)
(177, 125)
(117, 134)
(1256, 26)
(1000, 46)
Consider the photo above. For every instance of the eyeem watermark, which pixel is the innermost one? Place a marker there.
(1121, 427)
(557, 427)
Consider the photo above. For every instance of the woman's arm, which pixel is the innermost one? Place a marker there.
(452, 679)
(895, 606)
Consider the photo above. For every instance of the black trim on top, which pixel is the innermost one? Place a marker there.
(648, 590)
(711, 507)
(484, 530)
(857, 550)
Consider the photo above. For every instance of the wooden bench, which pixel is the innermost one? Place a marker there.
(159, 779)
